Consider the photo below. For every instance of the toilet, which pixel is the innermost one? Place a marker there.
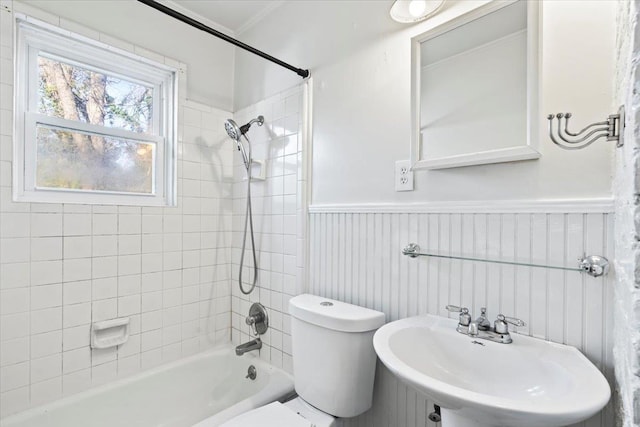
(333, 365)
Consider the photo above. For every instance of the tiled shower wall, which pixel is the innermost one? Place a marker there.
(356, 257)
(280, 221)
(63, 267)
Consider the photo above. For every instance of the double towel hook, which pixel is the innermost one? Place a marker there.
(564, 138)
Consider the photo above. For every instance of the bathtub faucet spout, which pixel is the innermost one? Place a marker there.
(249, 346)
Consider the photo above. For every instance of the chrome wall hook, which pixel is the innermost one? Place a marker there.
(611, 129)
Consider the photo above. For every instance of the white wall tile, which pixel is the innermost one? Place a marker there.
(65, 266)
(14, 301)
(46, 296)
(46, 344)
(77, 224)
(46, 367)
(75, 337)
(46, 391)
(15, 275)
(45, 272)
(104, 224)
(14, 376)
(14, 351)
(76, 315)
(76, 360)
(104, 288)
(76, 382)
(14, 250)
(15, 400)
(76, 292)
(14, 326)
(46, 224)
(77, 246)
(14, 224)
(46, 248)
(104, 245)
(76, 269)
(48, 319)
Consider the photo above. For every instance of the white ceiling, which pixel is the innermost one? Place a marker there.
(231, 16)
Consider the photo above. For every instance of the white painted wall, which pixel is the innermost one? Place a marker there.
(360, 61)
(210, 60)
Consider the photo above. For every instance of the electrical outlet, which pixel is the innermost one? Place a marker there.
(404, 176)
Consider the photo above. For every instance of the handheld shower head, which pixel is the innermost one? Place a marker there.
(235, 132)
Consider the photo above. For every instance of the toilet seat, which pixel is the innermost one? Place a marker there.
(295, 413)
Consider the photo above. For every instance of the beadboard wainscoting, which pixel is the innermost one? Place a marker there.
(356, 257)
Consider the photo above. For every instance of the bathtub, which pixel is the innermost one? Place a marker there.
(209, 385)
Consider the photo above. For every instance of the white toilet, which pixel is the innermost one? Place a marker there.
(333, 365)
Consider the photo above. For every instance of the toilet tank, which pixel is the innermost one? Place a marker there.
(334, 362)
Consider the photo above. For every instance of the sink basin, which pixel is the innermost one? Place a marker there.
(479, 383)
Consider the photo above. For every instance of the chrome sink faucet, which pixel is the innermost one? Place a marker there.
(481, 327)
(482, 321)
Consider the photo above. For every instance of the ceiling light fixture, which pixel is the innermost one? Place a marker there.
(410, 11)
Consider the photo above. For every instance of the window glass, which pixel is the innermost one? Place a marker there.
(86, 162)
(74, 92)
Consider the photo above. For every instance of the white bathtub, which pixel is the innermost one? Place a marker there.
(179, 394)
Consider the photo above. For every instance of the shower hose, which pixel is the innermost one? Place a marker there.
(248, 223)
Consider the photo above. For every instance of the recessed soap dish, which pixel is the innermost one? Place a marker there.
(258, 170)
(109, 333)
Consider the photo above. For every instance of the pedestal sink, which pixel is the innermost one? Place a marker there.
(479, 383)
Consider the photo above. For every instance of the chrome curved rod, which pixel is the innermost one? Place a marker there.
(611, 129)
(586, 144)
(583, 138)
(567, 116)
(562, 145)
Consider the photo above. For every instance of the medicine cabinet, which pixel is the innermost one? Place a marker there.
(475, 88)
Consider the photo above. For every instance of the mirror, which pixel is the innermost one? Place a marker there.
(475, 88)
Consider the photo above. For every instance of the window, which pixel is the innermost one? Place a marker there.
(94, 124)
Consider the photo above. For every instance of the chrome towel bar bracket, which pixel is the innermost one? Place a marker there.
(611, 129)
(593, 265)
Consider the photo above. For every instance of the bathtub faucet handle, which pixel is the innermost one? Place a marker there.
(251, 321)
(257, 319)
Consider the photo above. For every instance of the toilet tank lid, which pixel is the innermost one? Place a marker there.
(336, 315)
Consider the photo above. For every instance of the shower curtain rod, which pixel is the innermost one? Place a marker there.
(199, 25)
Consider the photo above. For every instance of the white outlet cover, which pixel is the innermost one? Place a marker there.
(403, 176)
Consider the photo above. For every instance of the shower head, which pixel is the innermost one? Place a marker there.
(235, 132)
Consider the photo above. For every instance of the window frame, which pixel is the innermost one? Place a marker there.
(34, 39)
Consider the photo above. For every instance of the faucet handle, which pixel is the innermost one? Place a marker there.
(456, 309)
(501, 323)
(465, 317)
(514, 321)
